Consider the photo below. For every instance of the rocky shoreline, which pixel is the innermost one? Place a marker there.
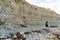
(36, 34)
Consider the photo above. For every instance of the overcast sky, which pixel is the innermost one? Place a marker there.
(52, 4)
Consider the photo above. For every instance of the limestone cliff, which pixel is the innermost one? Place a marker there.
(21, 12)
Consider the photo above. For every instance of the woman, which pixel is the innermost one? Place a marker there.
(46, 25)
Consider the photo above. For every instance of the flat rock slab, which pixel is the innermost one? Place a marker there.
(56, 33)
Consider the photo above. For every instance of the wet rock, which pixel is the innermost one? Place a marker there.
(23, 25)
(2, 38)
(14, 39)
(38, 31)
(20, 36)
(47, 31)
(12, 35)
(23, 38)
(8, 36)
(53, 26)
(27, 32)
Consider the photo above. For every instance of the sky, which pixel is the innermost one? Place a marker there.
(52, 4)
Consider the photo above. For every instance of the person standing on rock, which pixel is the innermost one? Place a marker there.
(46, 25)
